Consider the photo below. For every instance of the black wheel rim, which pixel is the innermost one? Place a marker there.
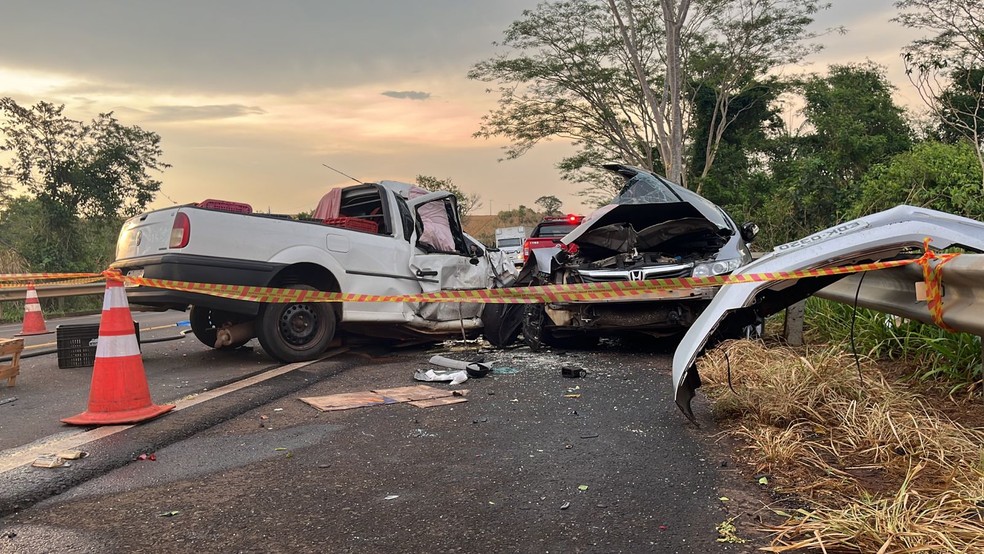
(299, 324)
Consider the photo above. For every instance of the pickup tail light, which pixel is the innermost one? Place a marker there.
(180, 231)
(526, 250)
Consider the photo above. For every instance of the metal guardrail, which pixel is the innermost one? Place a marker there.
(55, 291)
(893, 291)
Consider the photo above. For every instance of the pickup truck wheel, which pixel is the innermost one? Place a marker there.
(204, 322)
(295, 332)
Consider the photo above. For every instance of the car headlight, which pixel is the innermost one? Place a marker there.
(718, 267)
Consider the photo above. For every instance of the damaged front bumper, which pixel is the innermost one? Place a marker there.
(879, 237)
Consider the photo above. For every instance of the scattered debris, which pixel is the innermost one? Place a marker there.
(454, 377)
(504, 370)
(727, 531)
(474, 369)
(152, 457)
(572, 395)
(590, 436)
(582, 488)
(8, 400)
(172, 513)
(573, 372)
(565, 505)
(72, 454)
(49, 461)
(392, 497)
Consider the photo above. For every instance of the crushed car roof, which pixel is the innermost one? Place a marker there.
(878, 237)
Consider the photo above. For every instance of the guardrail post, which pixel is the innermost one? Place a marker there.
(793, 327)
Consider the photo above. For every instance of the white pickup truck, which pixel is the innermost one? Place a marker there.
(385, 238)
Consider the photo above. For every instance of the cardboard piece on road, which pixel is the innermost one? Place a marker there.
(49, 461)
(421, 396)
(345, 401)
(72, 454)
(444, 401)
(416, 392)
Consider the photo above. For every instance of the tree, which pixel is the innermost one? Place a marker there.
(96, 169)
(467, 202)
(550, 204)
(944, 67)
(933, 174)
(587, 72)
(851, 125)
(519, 216)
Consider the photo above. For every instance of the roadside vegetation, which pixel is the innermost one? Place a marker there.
(859, 461)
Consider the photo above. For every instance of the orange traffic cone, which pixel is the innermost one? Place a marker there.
(33, 318)
(118, 393)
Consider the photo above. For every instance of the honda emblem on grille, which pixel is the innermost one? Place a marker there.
(635, 275)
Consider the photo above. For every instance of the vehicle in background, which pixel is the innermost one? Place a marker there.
(385, 238)
(547, 233)
(653, 229)
(509, 240)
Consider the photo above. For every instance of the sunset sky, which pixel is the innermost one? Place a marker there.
(252, 97)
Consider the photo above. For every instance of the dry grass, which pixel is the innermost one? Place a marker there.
(11, 262)
(881, 469)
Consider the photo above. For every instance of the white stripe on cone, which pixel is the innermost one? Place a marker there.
(32, 307)
(115, 298)
(117, 346)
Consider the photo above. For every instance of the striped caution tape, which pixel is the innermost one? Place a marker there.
(579, 292)
(932, 265)
(93, 277)
(933, 277)
(7, 278)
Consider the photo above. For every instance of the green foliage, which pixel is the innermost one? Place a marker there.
(81, 180)
(467, 202)
(519, 216)
(961, 107)
(567, 74)
(95, 169)
(953, 358)
(852, 124)
(51, 239)
(944, 177)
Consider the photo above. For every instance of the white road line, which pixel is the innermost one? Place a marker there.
(19, 456)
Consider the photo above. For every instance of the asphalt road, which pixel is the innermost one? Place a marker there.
(532, 462)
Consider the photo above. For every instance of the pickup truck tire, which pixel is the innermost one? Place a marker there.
(205, 321)
(296, 332)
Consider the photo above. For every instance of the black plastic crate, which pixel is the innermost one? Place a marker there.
(73, 344)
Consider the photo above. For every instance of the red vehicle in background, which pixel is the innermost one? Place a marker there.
(549, 232)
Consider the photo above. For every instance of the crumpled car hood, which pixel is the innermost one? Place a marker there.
(878, 237)
(601, 228)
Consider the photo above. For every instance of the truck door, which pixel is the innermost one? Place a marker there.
(442, 257)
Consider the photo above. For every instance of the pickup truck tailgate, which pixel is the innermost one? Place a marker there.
(146, 234)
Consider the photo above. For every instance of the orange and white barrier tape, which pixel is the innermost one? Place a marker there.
(580, 292)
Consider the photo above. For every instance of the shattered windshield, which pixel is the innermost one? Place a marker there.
(644, 188)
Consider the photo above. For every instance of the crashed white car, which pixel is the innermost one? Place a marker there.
(894, 234)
